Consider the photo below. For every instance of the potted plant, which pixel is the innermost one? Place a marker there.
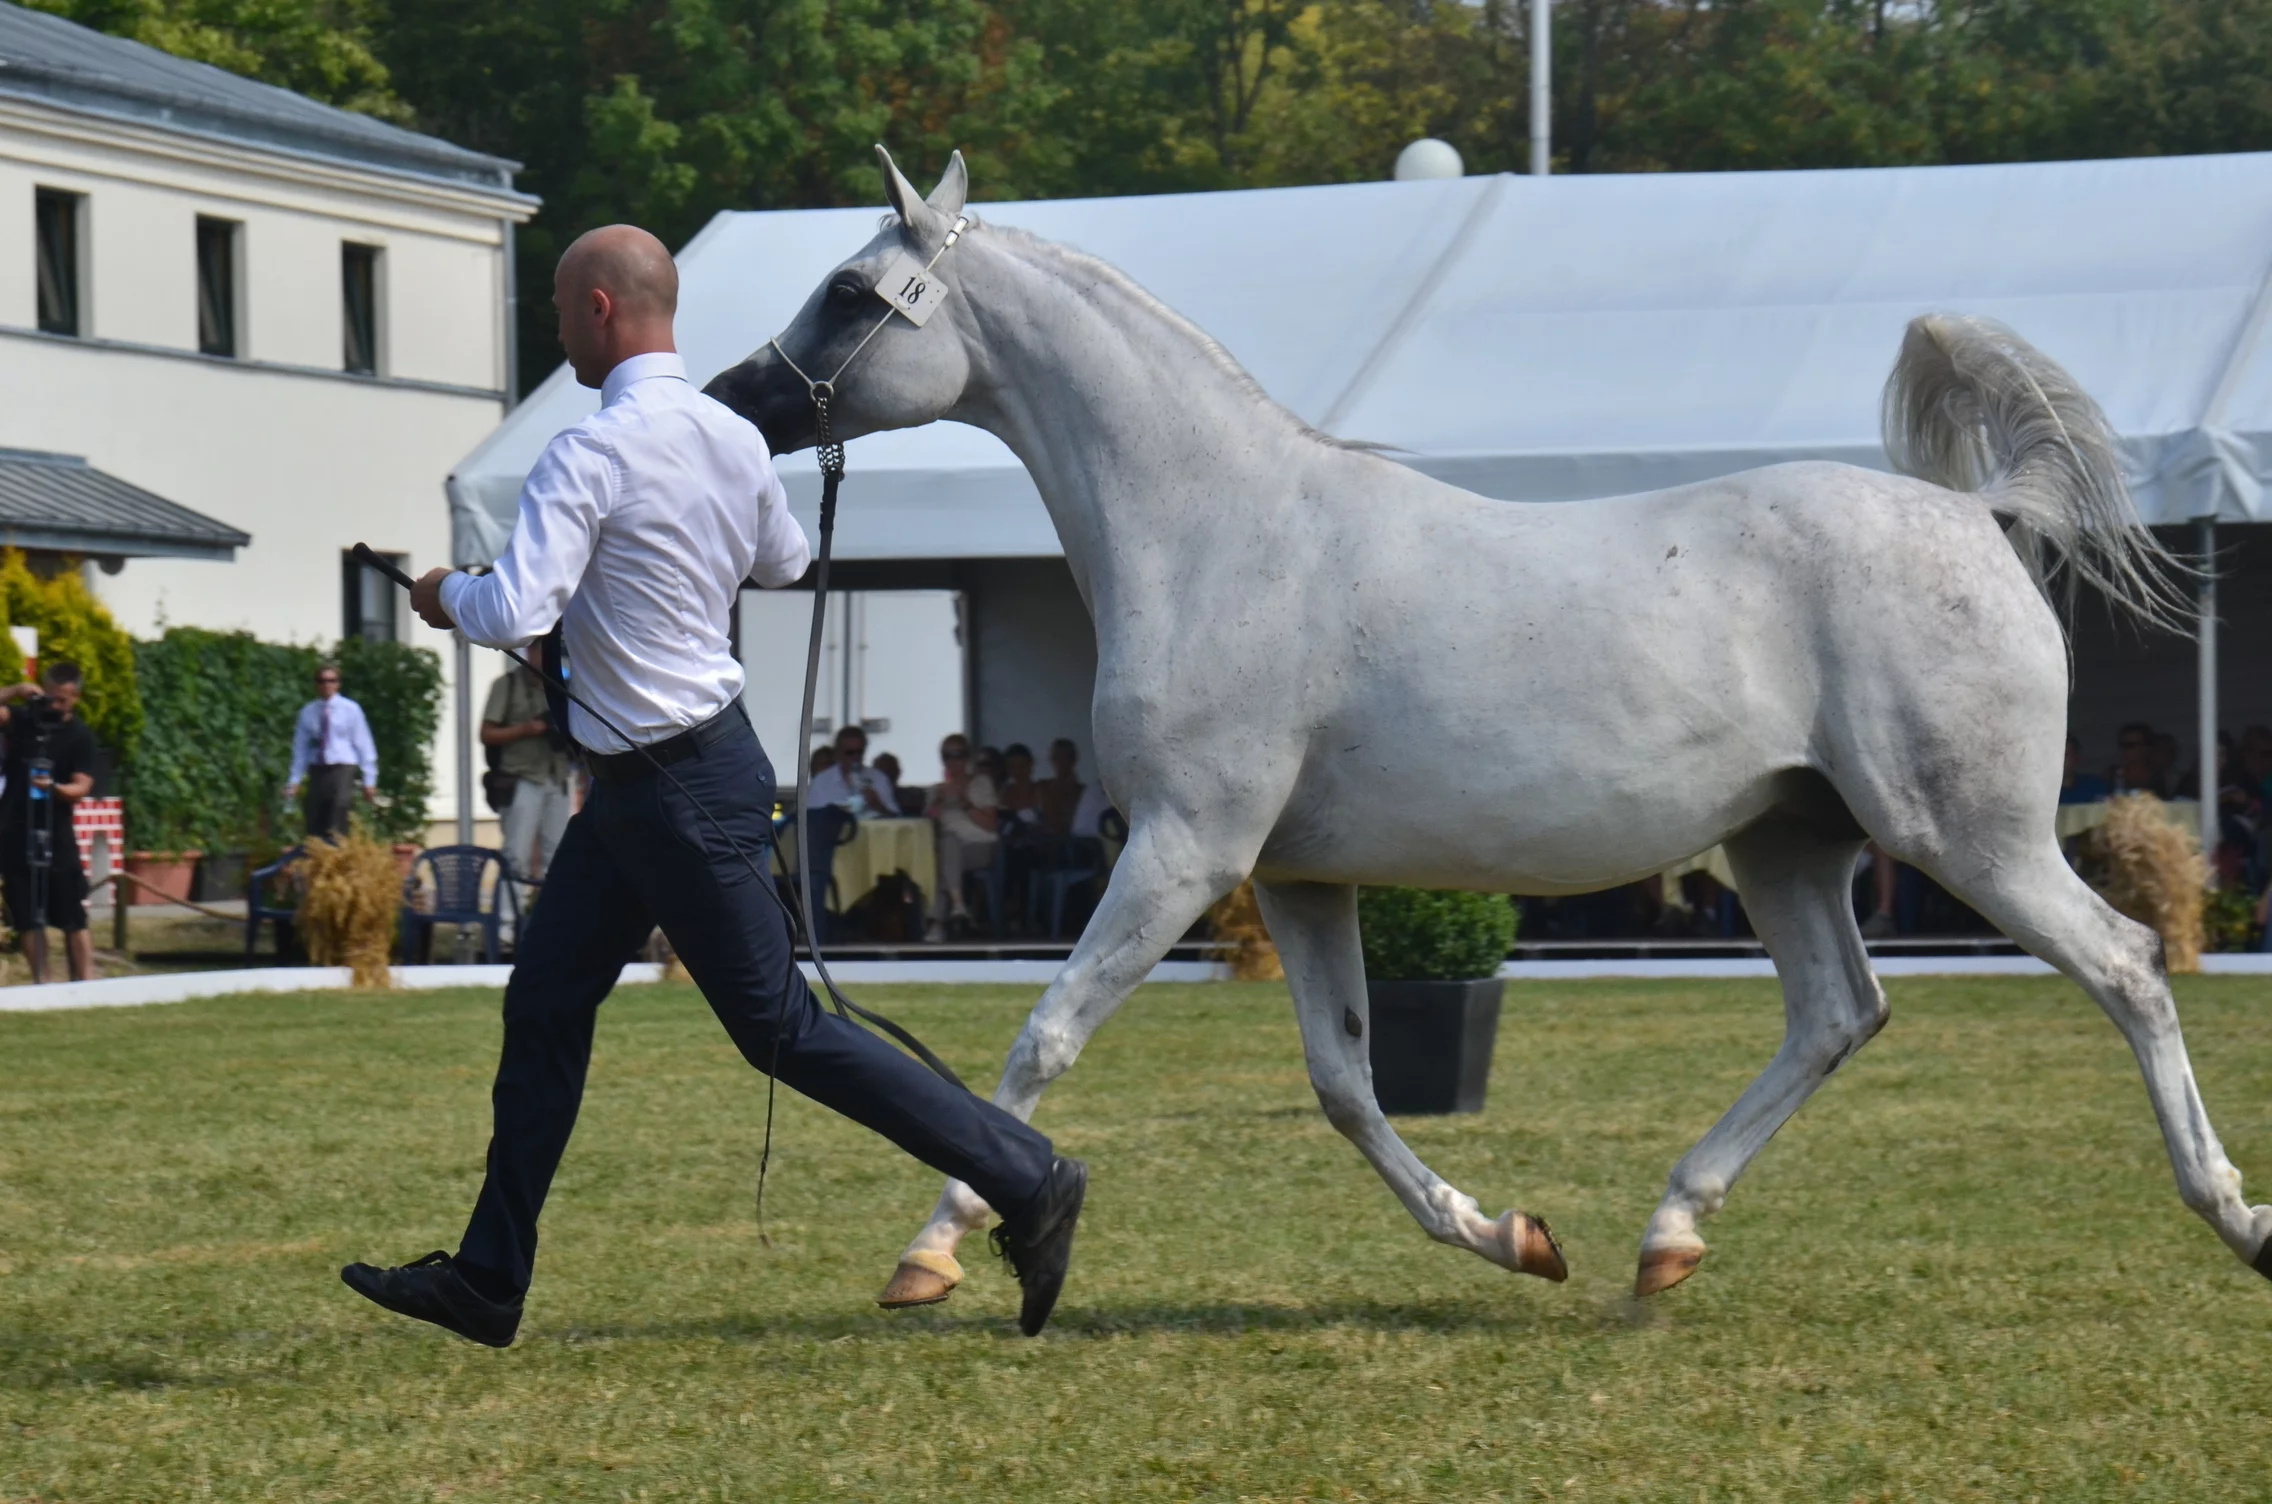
(166, 873)
(1431, 975)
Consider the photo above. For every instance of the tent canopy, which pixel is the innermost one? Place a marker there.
(1561, 338)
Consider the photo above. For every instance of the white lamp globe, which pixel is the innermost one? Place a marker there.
(1428, 158)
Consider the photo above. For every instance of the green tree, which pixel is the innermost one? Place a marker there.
(320, 48)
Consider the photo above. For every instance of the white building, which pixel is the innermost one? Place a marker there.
(284, 319)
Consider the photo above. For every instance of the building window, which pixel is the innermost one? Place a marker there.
(217, 283)
(359, 306)
(371, 600)
(57, 215)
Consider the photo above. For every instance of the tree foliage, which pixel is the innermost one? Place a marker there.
(666, 111)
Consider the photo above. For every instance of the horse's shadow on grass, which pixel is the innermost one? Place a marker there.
(1093, 1323)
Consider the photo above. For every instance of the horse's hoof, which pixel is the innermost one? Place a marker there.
(2262, 1263)
(923, 1278)
(1662, 1268)
(1528, 1247)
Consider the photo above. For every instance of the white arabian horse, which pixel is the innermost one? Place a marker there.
(1282, 616)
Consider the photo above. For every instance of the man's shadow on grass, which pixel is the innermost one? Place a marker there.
(1213, 1319)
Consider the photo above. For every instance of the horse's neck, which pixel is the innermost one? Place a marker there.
(1137, 433)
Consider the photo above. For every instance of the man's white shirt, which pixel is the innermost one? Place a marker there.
(637, 527)
(831, 786)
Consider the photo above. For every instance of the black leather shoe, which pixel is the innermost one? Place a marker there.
(1038, 1242)
(432, 1290)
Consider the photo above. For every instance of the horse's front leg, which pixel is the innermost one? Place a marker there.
(1166, 878)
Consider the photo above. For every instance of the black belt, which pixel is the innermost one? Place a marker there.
(643, 760)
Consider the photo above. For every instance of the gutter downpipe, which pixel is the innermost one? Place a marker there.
(2206, 639)
(462, 649)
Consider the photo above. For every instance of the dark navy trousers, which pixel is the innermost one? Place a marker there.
(638, 855)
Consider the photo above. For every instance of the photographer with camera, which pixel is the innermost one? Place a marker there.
(530, 783)
(49, 769)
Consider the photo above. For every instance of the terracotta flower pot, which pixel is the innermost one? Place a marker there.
(161, 874)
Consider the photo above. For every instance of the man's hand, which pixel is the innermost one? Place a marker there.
(370, 793)
(291, 791)
(426, 599)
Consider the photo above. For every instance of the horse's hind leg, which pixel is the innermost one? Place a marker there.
(1164, 881)
(2035, 898)
(1315, 927)
(1795, 883)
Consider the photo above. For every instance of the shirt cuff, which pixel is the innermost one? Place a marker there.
(453, 585)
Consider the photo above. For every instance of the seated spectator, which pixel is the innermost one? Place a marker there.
(963, 806)
(2166, 757)
(988, 760)
(2133, 770)
(851, 783)
(2075, 785)
(823, 759)
(1059, 795)
(1021, 797)
(888, 765)
(1089, 814)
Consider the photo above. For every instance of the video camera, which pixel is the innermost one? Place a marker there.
(30, 726)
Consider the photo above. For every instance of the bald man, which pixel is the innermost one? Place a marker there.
(637, 527)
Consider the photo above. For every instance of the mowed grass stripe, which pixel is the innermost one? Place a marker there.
(1961, 1273)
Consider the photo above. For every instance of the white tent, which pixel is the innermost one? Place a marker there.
(1559, 338)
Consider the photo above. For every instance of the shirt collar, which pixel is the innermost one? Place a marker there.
(641, 368)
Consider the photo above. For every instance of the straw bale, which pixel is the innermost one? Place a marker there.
(2151, 868)
(352, 902)
(1236, 921)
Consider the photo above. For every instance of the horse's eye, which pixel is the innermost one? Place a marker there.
(844, 294)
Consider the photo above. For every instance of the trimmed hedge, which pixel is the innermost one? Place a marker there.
(1434, 935)
(217, 746)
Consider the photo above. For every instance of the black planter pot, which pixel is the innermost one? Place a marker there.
(220, 874)
(1432, 1043)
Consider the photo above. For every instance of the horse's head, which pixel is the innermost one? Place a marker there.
(904, 375)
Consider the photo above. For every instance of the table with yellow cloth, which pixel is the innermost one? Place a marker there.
(878, 847)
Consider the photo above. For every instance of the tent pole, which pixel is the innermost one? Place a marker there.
(2207, 642)
(464, 670)
(1541, 80)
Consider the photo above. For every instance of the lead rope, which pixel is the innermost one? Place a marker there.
(830, 454)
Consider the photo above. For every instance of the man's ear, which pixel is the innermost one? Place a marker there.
(917, 215)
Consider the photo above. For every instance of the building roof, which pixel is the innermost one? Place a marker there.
(47, 58)
(59, 501)
(1551, 339)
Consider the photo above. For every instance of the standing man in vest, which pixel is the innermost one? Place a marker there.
(637, 527)
(532, 775)
(331, 744)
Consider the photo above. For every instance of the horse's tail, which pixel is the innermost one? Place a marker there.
(1972, 406)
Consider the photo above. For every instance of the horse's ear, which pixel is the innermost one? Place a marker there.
(917, 215)
(954, 187)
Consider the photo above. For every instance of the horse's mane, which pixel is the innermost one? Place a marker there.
(1070, 259)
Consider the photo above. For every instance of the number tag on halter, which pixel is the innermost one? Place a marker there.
(910, 289)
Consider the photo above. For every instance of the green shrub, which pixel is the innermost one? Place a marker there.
(2228, 920)
(217, 746)
(1434, 935)
(72, 624)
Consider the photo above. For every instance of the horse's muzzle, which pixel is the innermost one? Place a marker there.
(765, 391)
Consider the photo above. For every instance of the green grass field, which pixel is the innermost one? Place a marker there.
(1961, 1273)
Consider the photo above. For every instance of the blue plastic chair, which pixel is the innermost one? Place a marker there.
(258, 910)
(1061, 864)
(832, 826)
(456, 875)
